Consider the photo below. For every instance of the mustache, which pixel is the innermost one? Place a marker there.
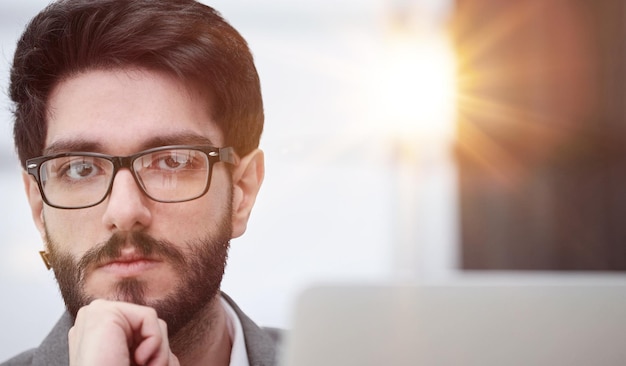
(143, 243)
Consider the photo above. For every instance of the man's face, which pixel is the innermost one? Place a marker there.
(129, 247)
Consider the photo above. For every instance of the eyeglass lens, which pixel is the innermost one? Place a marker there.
(167, 175)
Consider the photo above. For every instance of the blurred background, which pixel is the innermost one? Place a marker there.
(421, 140)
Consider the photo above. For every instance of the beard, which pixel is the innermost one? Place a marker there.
(200, 270)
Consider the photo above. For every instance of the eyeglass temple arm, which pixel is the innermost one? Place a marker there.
(228, 155)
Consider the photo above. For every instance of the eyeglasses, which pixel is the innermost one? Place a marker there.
(165, 174)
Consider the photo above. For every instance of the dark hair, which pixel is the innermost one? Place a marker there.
(180, 37)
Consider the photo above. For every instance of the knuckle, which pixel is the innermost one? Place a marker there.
(151, 312)
(98, 302)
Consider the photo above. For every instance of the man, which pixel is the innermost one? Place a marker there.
(137, 124)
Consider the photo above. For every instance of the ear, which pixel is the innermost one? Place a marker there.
(36, 203)
(247, 178)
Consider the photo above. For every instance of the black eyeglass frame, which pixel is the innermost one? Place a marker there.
(214, 155)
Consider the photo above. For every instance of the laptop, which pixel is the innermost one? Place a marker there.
(472, 323)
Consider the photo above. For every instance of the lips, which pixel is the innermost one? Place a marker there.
(129, 254)
(129, 265)
(125, 259)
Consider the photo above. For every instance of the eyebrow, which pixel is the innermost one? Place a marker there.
(82, 145)
(63, 146)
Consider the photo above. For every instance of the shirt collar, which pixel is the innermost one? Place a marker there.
(238, 354)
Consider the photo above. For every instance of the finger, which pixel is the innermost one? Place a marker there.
(122, 327)
(154, 348)
(97, 338)
(173, 360)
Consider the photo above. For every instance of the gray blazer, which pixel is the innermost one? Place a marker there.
(261, 343)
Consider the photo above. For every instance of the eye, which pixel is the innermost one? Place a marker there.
(79, 168)
(174, 160)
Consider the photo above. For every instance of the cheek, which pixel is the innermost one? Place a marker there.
(70, 229)
(188, 220)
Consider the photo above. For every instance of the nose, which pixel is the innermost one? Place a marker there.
(126, 207)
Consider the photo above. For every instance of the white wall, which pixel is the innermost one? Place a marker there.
(328, 210)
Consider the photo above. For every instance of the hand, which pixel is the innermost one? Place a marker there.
(117, 333)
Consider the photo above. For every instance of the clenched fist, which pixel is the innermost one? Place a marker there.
(117, 333)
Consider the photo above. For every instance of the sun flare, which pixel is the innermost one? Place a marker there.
(415, 89)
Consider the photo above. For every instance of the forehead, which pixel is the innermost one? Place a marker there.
(124, 111)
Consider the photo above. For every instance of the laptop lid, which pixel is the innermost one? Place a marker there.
(574, 323)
